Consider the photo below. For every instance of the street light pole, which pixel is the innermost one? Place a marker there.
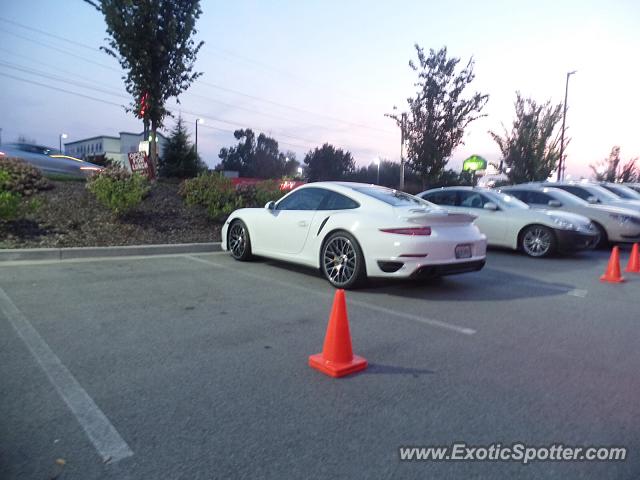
(377, 162)
(198, 120)
(403, 121)
(60, 137)
(561, 162)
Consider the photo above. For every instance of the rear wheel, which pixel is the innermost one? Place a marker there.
(538, 241)
(239, 241)
(342, 261)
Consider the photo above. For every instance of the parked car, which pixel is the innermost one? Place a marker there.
(49, 160)
(622, 191)
(596, 194)
(351, 231)
(508, 222)
(633, 186)
(614, 224)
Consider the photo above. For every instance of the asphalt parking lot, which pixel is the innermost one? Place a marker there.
(195, 366)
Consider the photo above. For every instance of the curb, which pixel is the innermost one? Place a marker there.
(17, 254)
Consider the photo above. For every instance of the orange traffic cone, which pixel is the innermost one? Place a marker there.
(612, 273)
(337, 358)
(634, 260)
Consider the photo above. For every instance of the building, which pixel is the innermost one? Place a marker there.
(99, 149)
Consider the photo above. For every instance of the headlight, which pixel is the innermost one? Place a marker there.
(564, 224)
(624, 219)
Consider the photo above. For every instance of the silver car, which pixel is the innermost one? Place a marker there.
(48, 160)
(593, 193)
(615, 224)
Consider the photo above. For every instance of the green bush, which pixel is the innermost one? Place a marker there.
(21, 178)
(9, 205)
(259, 194)
(12, 204)
(212, 191)
(117, 189)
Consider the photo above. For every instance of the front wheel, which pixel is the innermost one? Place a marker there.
(538, 241)
(342, 261)
(239, 241)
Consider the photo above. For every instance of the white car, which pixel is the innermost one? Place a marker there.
(351, 231)
(633, 186)
(614, 224)
(595, 194)
(507, 222)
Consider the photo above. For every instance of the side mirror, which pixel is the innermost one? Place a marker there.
(592, 200)
(270, 205)
(490, 206)
(554, 204)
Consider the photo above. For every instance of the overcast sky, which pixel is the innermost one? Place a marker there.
(309, 72)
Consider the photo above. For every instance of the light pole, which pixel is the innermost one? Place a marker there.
(300, 172)
(199, 120)
(561, 162)
(377, 162)
(403, 123)
(60, 137)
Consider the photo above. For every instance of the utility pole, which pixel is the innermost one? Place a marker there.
(0, 136)
(561, 161)
(198, 120)
(403, 121)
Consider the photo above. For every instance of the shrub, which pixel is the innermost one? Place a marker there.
(117, 189)
(22, 178)
(259, 194)
(11, 203)
(212, 191)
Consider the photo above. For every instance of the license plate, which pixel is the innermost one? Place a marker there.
(463, 251)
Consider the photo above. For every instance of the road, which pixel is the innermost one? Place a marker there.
(195, 367)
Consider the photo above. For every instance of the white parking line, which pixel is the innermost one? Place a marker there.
(407, 316)
(105, 438)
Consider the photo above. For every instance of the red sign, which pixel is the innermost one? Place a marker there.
(139, 163)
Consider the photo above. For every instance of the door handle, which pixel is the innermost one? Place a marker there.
(302, 223)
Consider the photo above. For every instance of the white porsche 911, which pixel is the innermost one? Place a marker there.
(351, 231)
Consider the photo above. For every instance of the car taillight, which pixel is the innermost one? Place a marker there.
(408, 231)
(2, 154)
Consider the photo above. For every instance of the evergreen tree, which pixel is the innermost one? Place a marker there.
(180, 158)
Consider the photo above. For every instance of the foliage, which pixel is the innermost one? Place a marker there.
(22, 178)
(180, 159)
(531, 149)
(328, 163)
(117, 189)
(611, 168)
(257, 158)
(212, 191)
(12, 203)
(439, 113)
(153, 42)
(259, 194)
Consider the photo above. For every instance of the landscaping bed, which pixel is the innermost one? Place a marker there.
(68, 215)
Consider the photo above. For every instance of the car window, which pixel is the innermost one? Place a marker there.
(303, 199)
(522, 195)
(470, 199)
(577, 191)
(337, 201)
(443, 197)
(538, 198)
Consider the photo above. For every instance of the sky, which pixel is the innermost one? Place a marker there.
(312, 72)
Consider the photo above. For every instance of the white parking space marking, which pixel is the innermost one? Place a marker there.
(577, 292)
(407, 316)
(105, 438)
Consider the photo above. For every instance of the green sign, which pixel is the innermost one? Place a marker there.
(474, 162)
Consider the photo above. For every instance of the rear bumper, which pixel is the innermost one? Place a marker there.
(430, 271)
(569, 240)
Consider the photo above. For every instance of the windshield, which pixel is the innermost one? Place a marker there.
(506, 201)
(394, 198)
(623, 192)
(602, 192)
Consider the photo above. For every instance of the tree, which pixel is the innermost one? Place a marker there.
(257, 158)
(439, 113)
(328, 163)
(611, 170)
(180, 158)
(152, 41)
(531, 150)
